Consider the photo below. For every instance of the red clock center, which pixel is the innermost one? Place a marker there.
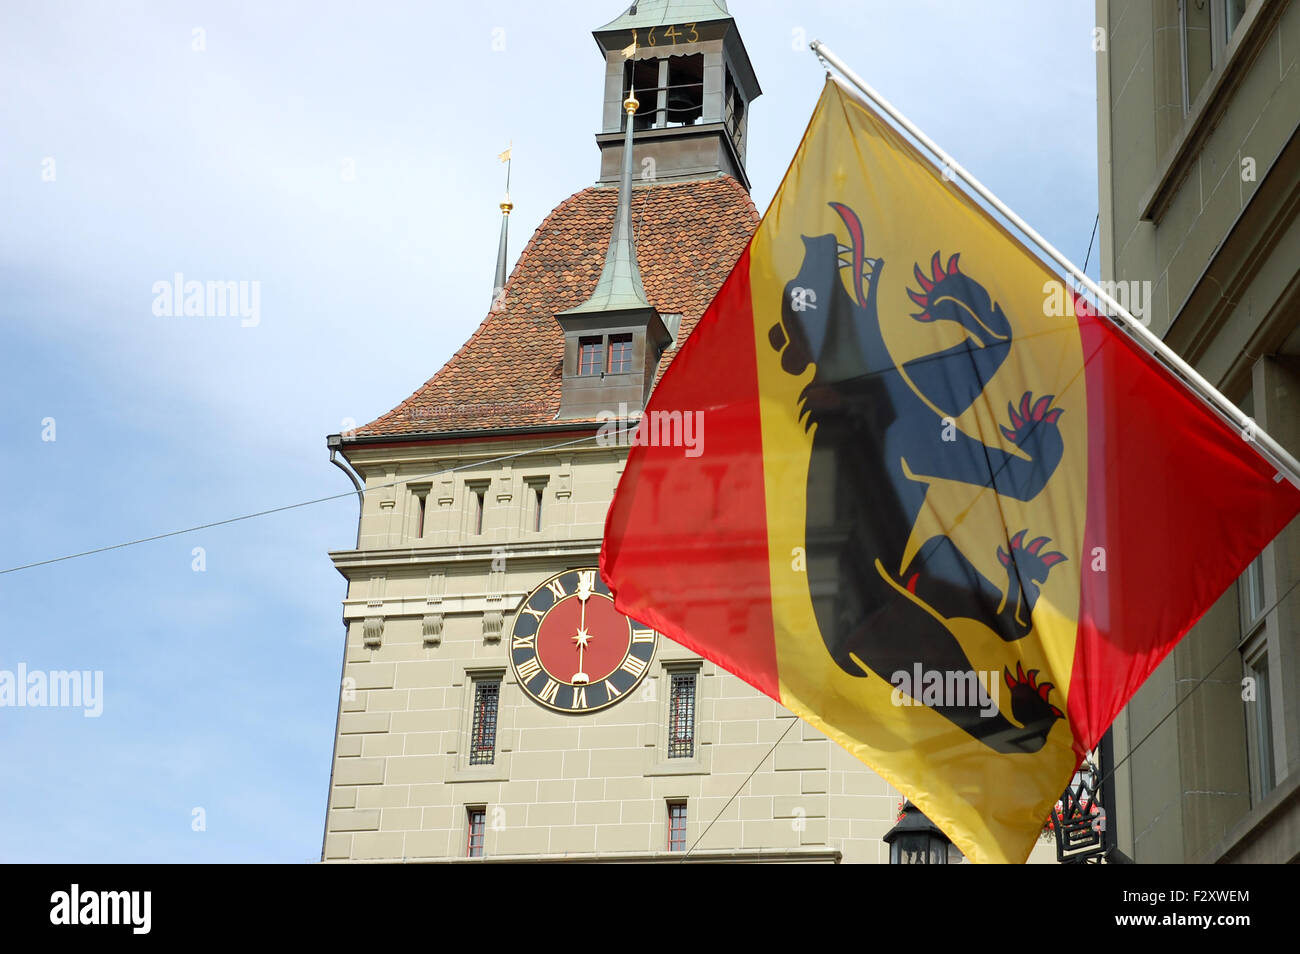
(606, 645)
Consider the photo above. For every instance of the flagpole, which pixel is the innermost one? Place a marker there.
(1265, 445)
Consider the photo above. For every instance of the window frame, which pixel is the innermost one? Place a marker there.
(659, 690)
(598, 355)
(674, 829)
(479, 714)
(679, 676)
(475, 813)
(1221, 36)
(476, 492)
(1260, 736)
(622, 338)
(532, 505)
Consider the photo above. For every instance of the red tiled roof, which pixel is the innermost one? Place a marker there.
(688, 236)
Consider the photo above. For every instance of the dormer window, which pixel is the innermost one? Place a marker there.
(589, 356)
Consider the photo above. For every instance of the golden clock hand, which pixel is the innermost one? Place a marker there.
(586, 581)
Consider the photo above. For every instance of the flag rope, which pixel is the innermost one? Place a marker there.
(1264, 444)
(794, 720)
(295, 506)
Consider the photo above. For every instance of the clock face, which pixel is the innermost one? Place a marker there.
(571, 651)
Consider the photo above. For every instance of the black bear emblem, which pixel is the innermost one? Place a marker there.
(882, 435)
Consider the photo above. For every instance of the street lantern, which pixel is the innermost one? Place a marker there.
(916, 840)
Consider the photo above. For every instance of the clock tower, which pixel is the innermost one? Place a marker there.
(494, 704)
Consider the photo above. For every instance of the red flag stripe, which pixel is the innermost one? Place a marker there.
(721, 578)
(1175, 497)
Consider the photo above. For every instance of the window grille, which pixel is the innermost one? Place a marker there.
(483, 743)
(681, 718)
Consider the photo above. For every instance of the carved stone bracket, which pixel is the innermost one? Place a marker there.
(432, 626)
(492, 623)
(373, 631)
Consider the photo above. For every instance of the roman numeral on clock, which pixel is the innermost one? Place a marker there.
(643, 635)
(524, 642)
(609, 688)
(548, 691)
(557, 589)
(634, 666)
(528, 668)
(579, 698)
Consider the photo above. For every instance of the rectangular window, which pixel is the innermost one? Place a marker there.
(475, 502)
(1206, 28)
(620, 354)
(477, 823)
(1262, 719)
(677, 826)
(681, 716)
(419, 518)
(483, 733)
(534, 497)
(589, 355)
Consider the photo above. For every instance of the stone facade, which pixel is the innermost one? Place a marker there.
(585, 787)
(592, 785)
(560, 785)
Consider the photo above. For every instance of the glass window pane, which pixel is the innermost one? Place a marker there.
(676, 826)
(589, 351)
(477, 819)
(620, 354)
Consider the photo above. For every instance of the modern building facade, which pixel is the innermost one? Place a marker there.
(1198, 108)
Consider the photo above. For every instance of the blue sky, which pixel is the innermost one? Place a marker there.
(227, 163)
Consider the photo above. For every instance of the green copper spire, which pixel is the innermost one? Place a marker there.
(620, 285)
(499, 284)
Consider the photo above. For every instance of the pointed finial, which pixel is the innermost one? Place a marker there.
(499, 283)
